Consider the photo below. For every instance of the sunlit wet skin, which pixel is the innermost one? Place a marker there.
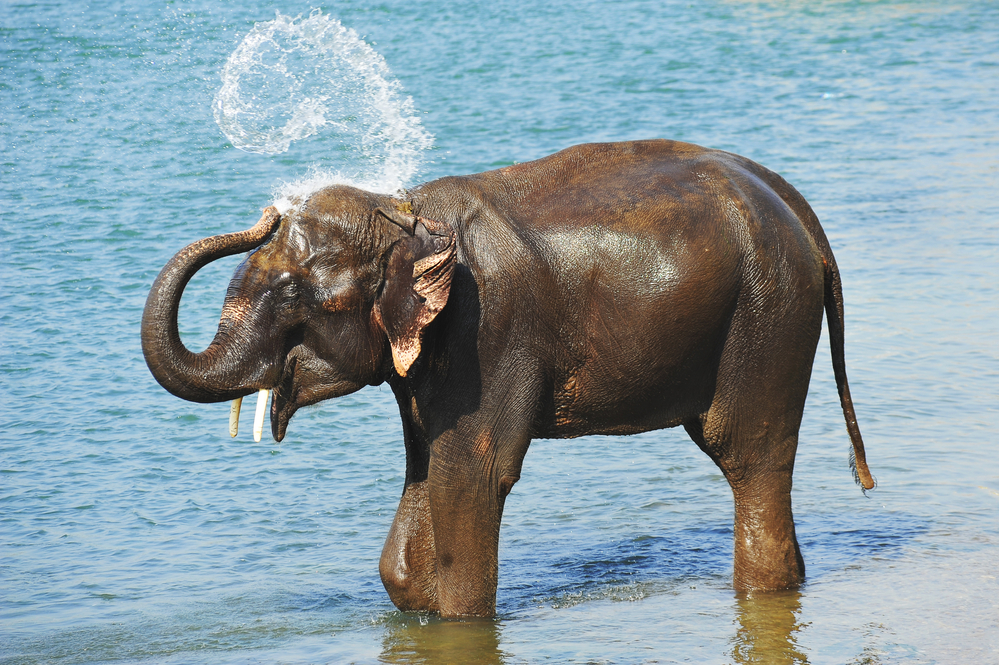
(740, 399)
(690, 289)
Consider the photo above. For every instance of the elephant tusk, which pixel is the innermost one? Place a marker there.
(258, 419)
(234, 416)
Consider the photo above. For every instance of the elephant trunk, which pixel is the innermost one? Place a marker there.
(212, 375)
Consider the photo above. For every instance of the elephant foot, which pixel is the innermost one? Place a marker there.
(409, 558)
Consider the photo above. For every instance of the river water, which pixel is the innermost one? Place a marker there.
(134, 530)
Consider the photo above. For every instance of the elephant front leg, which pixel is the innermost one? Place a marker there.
(442, 552)
(469, 482)
(409, 558)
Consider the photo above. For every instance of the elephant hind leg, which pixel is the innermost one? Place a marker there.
(767, 556)
(750, 429)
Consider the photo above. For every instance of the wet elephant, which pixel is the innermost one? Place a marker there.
(606, 289)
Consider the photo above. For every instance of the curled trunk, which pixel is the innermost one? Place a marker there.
(216, 374)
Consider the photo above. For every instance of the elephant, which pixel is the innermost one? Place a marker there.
(609, 288)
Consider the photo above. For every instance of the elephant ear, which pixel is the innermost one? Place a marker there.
(417, 285)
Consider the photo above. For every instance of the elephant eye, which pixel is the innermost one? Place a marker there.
(286, 289)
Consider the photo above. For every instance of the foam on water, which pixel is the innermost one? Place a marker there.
(294, 78)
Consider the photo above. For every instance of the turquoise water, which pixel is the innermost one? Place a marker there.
(133, 529)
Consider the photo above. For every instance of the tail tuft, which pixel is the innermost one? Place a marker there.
(856, 475)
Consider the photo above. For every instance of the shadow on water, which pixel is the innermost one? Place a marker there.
(563, 574)
(833, 543)
(625, 570)
(768, 624)
(417, 639)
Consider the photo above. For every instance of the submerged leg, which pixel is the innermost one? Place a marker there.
(767, 555)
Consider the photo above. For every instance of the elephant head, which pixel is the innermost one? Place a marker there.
(335, 295)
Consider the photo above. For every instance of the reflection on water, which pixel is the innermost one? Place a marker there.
(419, 639)
(766, 630)
(768, 627)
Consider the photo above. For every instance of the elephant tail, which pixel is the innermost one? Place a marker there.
(834, 319)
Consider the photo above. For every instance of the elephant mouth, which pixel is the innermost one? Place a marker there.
(283, 403)
(297, 387)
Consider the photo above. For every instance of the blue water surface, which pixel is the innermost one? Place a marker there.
(133, 529)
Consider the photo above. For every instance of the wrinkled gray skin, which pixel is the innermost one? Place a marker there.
(606, 289)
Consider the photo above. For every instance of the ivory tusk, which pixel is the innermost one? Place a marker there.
(234, 416)
(258, 419)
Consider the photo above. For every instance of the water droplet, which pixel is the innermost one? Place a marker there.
(294, 78)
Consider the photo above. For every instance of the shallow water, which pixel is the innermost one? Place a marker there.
(133, 529)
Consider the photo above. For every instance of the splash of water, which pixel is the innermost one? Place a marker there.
(292, 78)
